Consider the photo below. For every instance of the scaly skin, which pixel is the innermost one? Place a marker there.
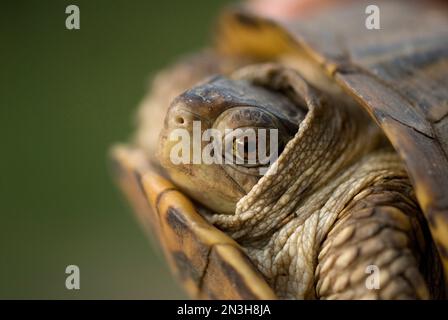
(340, 200)
(381, 226)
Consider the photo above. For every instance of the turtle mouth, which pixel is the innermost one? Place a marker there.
(222, 136)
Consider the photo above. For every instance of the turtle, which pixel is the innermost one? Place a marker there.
(354, 202)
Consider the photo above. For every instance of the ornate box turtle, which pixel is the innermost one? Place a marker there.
(361, 178)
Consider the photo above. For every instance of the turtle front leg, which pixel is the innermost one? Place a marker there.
(379, 248)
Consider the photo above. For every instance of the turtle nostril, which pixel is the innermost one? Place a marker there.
(179, 117)
(180, 120)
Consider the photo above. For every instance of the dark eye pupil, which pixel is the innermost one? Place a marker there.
(245, 149)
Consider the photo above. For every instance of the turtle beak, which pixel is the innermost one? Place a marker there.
(180, 154)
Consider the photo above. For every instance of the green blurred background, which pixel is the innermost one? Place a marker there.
(66, 96)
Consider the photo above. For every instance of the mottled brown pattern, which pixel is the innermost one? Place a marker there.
(343, 198)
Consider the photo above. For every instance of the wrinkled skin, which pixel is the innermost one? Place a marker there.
(339, 201)
(223, 104)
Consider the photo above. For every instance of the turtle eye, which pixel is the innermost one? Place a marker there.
(245, 150)
(252, 137)
(248, 147)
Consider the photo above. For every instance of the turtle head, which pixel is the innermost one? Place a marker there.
(221, 136)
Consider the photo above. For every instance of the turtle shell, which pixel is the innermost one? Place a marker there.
(208, 262)
(399, 74)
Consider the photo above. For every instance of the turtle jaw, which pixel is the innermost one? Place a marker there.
(208, 184)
